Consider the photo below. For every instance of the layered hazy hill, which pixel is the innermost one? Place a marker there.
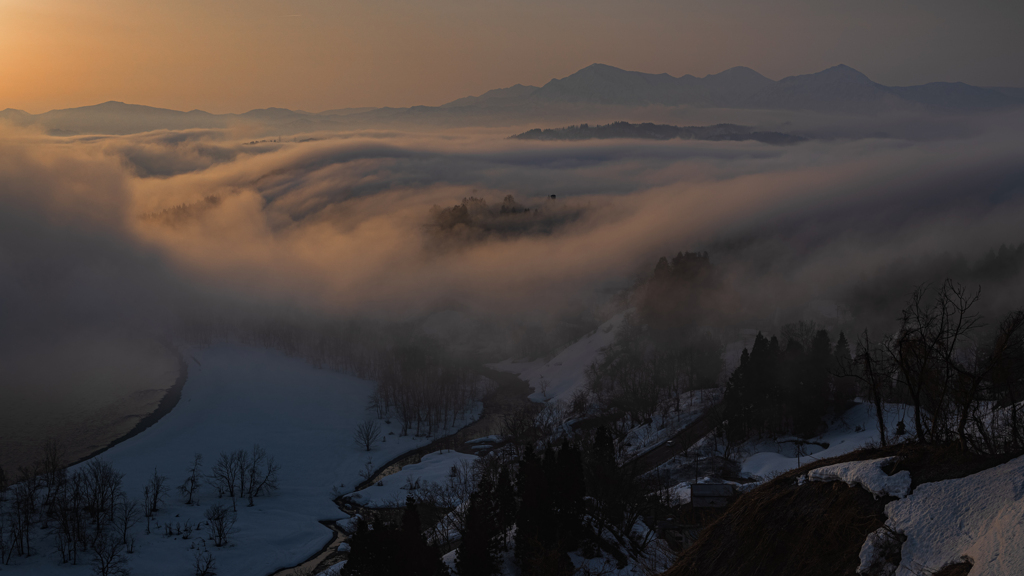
(839, 89)
(595, 92)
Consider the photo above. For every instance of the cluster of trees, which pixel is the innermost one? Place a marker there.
(86, 515)
(238, 474)
(561, 500)
(394, 547)
(779, 390)
(424, 388)
(667, 347)
(649, 131)
(964, 380)
(473, 220)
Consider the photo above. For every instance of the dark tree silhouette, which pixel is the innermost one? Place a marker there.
(367, 433)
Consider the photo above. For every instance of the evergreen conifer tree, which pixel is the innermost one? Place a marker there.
(479, 553)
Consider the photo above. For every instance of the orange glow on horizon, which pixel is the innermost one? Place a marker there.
(235, 55)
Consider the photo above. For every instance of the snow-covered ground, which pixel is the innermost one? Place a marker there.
(563, 375)
(237, 396)
(856, 429)
(978, 519)
(867, 474)
(434, 468)
(980, 516)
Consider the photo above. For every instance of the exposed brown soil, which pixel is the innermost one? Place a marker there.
(782, 529)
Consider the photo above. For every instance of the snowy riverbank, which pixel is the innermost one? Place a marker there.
(236, 397)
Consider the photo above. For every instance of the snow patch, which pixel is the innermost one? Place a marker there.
(868, 474)
(392, 490)
(980, 516)
(856, 429)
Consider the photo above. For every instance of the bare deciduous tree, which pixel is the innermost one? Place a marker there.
(262, 473)
(125, 518)
(193, 481)
(367, 434)
(225, 475)
(156, 492)
(221, 522)
(109, 557)
(53, 467)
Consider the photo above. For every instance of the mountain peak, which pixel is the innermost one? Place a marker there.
(599, 66)
(845, 73)
(736, 72)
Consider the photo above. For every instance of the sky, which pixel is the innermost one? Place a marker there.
(236, 55)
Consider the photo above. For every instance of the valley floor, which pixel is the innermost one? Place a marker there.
(236, 397)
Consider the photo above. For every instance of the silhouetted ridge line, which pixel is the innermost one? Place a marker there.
(649, 131)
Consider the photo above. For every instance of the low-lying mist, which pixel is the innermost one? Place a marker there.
(476, 238)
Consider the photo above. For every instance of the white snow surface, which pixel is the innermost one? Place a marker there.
(236, 396)
(843, 437)
(980, 516)
(433, 468)
(559, 378)
(867, 474)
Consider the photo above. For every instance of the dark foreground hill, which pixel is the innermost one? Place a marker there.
(785, 527)
(649, 131)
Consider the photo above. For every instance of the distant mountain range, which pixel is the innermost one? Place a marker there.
(836, 90)
(649, 131)
(839, 89)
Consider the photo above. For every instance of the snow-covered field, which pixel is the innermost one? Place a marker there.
(237, 396)
(392, 490)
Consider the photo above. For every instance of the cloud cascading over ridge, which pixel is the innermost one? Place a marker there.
(342, 226)
(109, 244)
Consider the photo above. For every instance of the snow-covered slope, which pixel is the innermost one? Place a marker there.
(559, 378)
(856, 429)
(980, 516)
(235, 397)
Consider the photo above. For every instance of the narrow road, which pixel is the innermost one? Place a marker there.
(679, 443)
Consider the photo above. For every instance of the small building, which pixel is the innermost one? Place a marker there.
(711, 495)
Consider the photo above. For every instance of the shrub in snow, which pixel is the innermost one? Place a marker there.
(204, 564)
(221, 522)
